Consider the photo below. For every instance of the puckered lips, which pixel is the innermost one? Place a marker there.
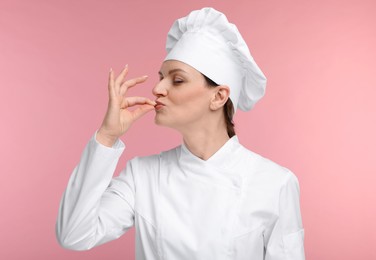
(159, 105)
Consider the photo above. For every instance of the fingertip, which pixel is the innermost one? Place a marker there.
(142, 78)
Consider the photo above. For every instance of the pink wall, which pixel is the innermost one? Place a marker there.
(317, 118)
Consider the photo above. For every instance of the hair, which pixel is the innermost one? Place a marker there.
(228, 110)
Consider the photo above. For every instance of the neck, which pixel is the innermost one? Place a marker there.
(206, 140)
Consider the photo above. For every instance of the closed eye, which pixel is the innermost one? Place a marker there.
(178, 81)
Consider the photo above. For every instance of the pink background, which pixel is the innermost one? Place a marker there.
(317, 117)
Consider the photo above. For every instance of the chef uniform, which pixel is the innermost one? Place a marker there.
(235, 205)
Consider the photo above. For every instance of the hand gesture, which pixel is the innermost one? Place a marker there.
(118, 118)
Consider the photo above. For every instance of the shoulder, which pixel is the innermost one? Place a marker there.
(145, 169)
(263, 168)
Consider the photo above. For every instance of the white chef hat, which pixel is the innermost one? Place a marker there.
(206, 41)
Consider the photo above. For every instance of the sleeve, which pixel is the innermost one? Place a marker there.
(285, 239)
(95, 207)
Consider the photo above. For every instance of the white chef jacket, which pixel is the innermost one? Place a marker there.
(235, 205)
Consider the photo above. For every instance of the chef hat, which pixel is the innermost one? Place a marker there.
(206, 41)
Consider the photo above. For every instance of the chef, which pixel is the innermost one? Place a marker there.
(209, 198)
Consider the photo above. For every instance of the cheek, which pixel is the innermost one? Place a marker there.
(192, 98)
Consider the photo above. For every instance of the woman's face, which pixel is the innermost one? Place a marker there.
(183, 95)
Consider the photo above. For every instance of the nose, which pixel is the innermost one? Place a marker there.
(160, 89)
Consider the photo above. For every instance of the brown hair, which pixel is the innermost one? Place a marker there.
(228, 110)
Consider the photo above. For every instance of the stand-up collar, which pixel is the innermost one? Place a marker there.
(220, 168)
(218, 159)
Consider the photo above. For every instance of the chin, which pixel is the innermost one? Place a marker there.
(160, 122)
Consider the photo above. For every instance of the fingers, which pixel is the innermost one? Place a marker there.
(132, 101)
(111, 83)
(119, 86)
(142, 110)
(131, 83)
(120, 79)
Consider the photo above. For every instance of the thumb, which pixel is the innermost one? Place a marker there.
(142, 110)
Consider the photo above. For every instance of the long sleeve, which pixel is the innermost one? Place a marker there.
(95, 207)
(285, 239)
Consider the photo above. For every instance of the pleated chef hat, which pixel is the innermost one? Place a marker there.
(206, 41)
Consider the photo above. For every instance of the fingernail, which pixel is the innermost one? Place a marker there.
(126, 66)
(110, 69)
(145, 76)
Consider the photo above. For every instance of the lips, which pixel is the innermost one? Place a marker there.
(159, 105)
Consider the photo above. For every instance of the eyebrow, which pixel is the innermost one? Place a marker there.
(172, 71)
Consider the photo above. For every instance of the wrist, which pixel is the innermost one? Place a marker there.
(105, 139)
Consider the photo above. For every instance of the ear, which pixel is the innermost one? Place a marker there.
(220, 96)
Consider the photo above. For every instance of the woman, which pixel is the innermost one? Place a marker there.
(209, 198)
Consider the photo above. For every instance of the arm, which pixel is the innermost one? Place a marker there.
(285, 240)
(95, 209)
